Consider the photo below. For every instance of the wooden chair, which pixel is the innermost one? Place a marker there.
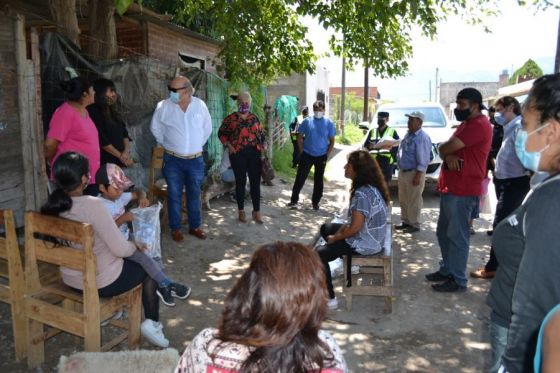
(59, 306)
(11, 288)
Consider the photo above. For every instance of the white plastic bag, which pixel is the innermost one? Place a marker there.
(147, 230)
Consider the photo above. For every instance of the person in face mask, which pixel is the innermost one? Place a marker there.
(511, 179)
(385, 156)
(242, 133)
(315, 142)
(460, 184)
(527, 283)
(497, 137)
(182, 125)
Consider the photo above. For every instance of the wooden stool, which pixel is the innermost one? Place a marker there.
(381, 264)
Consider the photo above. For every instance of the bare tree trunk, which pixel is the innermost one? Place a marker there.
(365, 117)
(343, 97)
(557, 60)
(64, 15)
(102, 32)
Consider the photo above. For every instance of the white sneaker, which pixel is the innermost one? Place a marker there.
(332, 304)
(153, 332)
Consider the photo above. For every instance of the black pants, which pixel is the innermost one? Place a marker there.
(131, 275)
(245, 162)
(332, 251)
(386, 168)
(304, 166)
(510, 194)
(295, 154)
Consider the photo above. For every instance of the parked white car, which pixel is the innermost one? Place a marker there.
(436, 125)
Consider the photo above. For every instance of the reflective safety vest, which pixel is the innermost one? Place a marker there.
(389, 132)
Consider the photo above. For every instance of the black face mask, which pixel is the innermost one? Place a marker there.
(381, 122)
(462, 115)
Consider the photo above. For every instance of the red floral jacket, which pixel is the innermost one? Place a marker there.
(242, 133)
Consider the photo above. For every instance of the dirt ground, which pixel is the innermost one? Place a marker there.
(427, 331)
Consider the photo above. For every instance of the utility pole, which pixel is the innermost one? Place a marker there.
(557, 59)
(430, 90)
(436, 85)
(343, 96)
(366, 92)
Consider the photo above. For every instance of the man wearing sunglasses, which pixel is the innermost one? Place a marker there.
(182, 125)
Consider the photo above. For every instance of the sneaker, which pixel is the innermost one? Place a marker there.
(180, 291)
(402, 226)
(153, 332)
(332, 304)
(449, 286)
(316, 207)
(437, 277)
(166, 296)
(292, 206)
(411, 229)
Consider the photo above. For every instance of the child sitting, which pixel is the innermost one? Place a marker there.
(112, 183)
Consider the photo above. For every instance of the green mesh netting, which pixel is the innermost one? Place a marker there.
(217, 100)
(286, 110)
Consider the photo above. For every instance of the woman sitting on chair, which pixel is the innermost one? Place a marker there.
(115, 275)
(272, 319)
(364, 233)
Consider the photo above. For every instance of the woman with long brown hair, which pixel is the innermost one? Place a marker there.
(272, 319)
(364, 233)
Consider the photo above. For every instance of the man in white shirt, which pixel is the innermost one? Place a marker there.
(182, 125)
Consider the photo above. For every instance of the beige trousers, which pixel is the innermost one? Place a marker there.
(410, 198)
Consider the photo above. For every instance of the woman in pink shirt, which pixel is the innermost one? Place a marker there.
(71, 128)
(115, 274)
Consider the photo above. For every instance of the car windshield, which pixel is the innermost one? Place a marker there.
(433, 116)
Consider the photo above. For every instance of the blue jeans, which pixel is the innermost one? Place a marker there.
(179, 173)
(498, 342)
(453, 234)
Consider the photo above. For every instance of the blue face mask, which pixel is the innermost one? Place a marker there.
(174, 97)
(500, 119)
(529, 160)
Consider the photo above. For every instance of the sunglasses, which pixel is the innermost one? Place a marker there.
(171, 89)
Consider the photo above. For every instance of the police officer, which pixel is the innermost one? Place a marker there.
(387, 155)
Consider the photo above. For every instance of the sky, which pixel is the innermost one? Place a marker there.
(463, 53)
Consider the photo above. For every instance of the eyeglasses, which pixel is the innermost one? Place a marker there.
(171, 89)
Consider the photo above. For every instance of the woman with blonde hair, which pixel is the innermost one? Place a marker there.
(241, 132)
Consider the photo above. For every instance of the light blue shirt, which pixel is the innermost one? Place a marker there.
(316, 133)
(414, 151)
(368, 201)
(508, 165)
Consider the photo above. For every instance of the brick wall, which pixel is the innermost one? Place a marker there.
(165, 44)
(130, 39)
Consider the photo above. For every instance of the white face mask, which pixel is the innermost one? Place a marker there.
(318, 114)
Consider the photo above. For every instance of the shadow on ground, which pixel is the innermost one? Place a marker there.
(427, 331)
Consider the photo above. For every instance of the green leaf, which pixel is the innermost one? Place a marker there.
(122, 5)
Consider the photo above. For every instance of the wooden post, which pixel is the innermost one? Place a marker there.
(270, 130)
(31, 145)
(39, 162)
